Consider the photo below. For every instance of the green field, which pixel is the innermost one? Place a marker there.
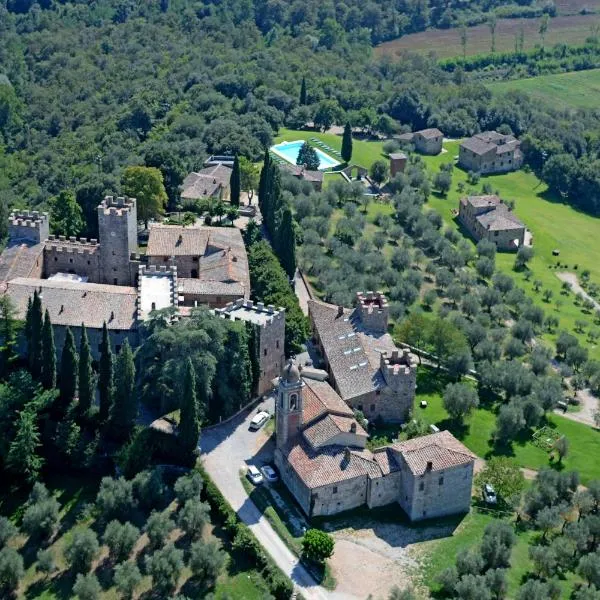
(446, 43)
(563, 90)
(554, 225)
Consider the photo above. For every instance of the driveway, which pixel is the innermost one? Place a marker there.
(225, 450)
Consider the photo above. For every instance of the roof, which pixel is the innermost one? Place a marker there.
(210, 287)
(491, 141)
(384, 457)
(500, 219)
(432, 132)
(156, 291)
(222, 265)
(331, 464)
(478, 146)
(19, 260)
(398, 156)
(320, 398)
(207, 182)
(71, 303)
(352, 352)
(177, 240)
(328, 427)
(298, 171)
(405, 137)
(482, 201)
(440, 449)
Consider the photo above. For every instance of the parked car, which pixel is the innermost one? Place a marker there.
(259, 419)
(254, 475)
(270, 474)
(489, 494)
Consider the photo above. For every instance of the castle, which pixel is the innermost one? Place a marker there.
(92, 282)
(364, 365)
(322, 457)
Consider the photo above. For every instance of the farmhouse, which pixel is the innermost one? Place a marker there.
(489, 218)
(365, 367)
(315, 178)
(322, 457)
(490, 152)
(211, 182)
(426, 141)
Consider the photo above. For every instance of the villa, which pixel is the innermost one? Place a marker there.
(490, 152)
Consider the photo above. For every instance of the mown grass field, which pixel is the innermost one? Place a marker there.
(554, 225)
(446, 43)
(580, 89)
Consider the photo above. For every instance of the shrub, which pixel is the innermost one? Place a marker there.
(150, 490)
(81, 550)
(41, 516)
(87, 587)
(11, 569)
(45, 561)
(120, 539)
(317, 545)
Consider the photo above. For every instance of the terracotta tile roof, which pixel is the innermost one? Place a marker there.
(441, 449)
(71, 303)
(327, 427)
(176, 240)
(353, 353)
(500, 219)
(384, 457)
(211, 287)
(321, 398)
(482, 201)
(478, 146)
(491, 141)
(330, 465)
(206, 183)
(19, 260)
(432, 132)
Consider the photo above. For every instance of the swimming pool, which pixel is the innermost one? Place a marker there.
(289, 152)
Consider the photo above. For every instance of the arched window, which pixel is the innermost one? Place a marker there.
(293, 401)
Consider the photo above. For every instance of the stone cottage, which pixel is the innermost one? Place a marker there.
(322, 457)
(364, 365)
(488, 218)
(490, 152)
(212, 182)
(425, 141)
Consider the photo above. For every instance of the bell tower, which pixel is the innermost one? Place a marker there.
(288, 407)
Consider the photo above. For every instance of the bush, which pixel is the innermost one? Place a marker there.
(81, 550)
(11, 569)
(158, 527)
(87, 587)
(120, 539)
(127, 578)
(317, 545)
(150, 490)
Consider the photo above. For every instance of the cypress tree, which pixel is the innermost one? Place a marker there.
(8, 334)
(86, 375)
(303, 92)
(263, 181)
(347, 143)
(68, 370)
(49, 354)
(124, 409)
(189, 421)
(274, 202)
(28, 318)
(36, 323)
(105, 375)
(287, 243)
(236, 182)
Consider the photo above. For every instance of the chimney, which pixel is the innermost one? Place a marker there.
(429, 466)
(340, 311)
(347, 454)
(353, 427)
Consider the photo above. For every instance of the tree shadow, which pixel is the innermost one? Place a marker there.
(59, 586)
(194, 588)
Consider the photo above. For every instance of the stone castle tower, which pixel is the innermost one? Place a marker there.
(117, 226)
(288, 406)
(374, 311)
(28, 226)
(399, 370)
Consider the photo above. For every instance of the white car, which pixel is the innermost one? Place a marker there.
(259, 419)
(489, 494)
(254, 475)
(270, 474)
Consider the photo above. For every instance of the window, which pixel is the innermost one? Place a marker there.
(194, 273)
(277, 344)
(424, 513)
(55, 258)
(194, 259)
(265, 352)
(421, 486)
(378, 392)
(165, 258)
(360, 407)
(89, 262)
(335, 489)
(293, 401)
(441, 481)
(372, 408)
(118, 348)
(114, 253)
(70, 260)
(115, 281)
(495, 233)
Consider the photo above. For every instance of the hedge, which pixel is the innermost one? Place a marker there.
(243, 539)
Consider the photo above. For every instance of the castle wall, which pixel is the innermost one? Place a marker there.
(32, 226)
(338, 497)
(293, 483)
(72, 256)
(384, 490)
(392, 407)
(271, 350)
(187, 266)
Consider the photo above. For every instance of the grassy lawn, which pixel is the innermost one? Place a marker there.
(554, 225)
(363, 153)
(563, 90)
(445, 43)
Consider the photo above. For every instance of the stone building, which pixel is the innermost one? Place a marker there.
(398, 162)
(364, 365)
(270, 326)
(488, 218)
(490, 152)
(425, 141)
(315, 178)
(322, 457)
(212, 182)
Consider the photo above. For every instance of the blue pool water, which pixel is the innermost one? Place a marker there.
(289, 152)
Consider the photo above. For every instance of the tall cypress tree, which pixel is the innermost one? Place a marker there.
(49, 354)
(36, 323)
(347, 143)
(86, 375)
(68, 371)
(189, 420)
(124, 409)
(105, 375)
(303, 92)
(236, 182)
(274, 201)
(8, 334)
(263, 181)
(287, 243)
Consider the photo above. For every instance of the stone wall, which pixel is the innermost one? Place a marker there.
(31, 226)
(428, 145)
(503, 239)
(210, 300)
(293, 483)
(384, 490)
(187, 266)
(69, 255)
(374, 310)
(335, 498)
